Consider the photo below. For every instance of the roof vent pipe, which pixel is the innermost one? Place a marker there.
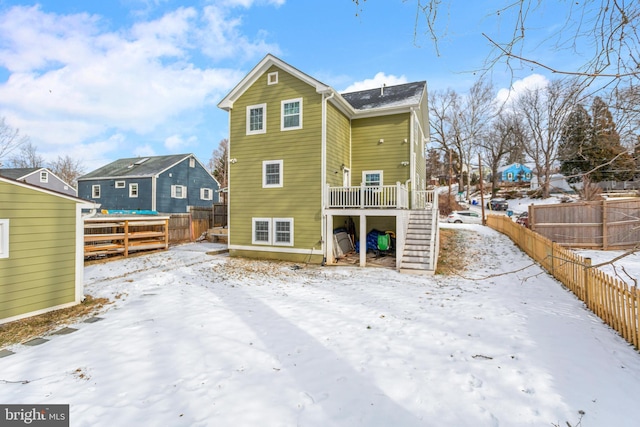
(382, 89)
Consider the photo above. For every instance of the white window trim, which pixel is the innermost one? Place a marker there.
(174, 191)
(286, 101)
(253, 231)
(206, 194)
(120, 184)
(264, 119)
(44, 176)
(4, 238)
(365, 173)
(131, 187)
(264, 174)
(272, 78)
(94, 192)
(290, 221)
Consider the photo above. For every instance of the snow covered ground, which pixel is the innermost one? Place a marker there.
(200, 340)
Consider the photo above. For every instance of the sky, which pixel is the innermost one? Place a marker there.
(198, 340)
(105, 80)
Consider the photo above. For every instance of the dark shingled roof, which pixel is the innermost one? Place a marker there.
(387, 96)
(136, 166)
(17, 173)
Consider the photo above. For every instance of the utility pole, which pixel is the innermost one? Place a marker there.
(484, 222)
(450, 178)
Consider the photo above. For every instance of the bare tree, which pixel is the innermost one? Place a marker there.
(605, 33)
(505, 137)
(218, 163)
(26, 157)
(10, 140)
(68, 169)
(545, 110)
(477, 112)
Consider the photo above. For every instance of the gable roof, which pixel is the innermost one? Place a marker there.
(18, 173)
(514, 166)
(136, 167)
(386, 100)
(88, 203)
(257, 71)
(404, 95)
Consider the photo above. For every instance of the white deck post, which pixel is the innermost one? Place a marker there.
(363, 240)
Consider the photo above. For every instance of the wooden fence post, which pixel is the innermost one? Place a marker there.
(587, 267)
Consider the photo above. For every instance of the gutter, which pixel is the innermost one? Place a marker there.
(323, 170)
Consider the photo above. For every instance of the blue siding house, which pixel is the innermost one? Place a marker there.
(167, 184)
(515, 172)
(40, 177)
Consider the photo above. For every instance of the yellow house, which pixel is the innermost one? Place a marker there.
(305, 160)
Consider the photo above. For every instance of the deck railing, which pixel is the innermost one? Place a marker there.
(363, 196)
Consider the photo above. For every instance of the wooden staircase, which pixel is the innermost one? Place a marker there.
(417, 256)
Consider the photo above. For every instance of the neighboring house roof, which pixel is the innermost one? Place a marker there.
(514, 166)
(136, 167)
(405, 95)
(17, 173)
(20, 174)
(48, 191)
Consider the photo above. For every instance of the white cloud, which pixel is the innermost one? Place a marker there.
(144, 151)
(176, 143)
(377, 81)
(73, 82)
(221, 37)
(534, 81)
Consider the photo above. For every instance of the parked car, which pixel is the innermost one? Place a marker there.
(467, 217)
(497, 205)
(523, 219)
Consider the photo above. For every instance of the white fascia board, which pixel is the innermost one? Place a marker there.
(261, 68)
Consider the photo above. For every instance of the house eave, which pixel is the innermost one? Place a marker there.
(257, 71)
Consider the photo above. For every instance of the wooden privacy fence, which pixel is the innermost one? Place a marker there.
(123, 235)
(187, 227)
(611, 299)
(607, 224)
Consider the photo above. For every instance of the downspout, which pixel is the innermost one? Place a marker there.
(153, 192)
(412, 168)
(323, 172)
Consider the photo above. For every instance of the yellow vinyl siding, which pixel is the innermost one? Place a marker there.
(338, 145)
(368, 154)
(300, 150)
(40, 270)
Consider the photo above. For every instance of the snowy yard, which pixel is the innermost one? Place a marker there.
(200, 340)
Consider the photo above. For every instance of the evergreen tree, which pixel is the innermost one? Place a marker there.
(574, 149)
(590, 145)
(610, 159)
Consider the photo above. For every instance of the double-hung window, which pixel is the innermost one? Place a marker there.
(44, 176)
(256, 119)
(272, 174)
(133, 190)
(4, 238)
(272, 231)
(178, 191)
(291, 114)
(372, 178)
(95, 191)
(206, 194)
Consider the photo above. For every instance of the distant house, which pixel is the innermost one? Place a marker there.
(40, 177)
(41, 250)
(167, 184)
(515, 172)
